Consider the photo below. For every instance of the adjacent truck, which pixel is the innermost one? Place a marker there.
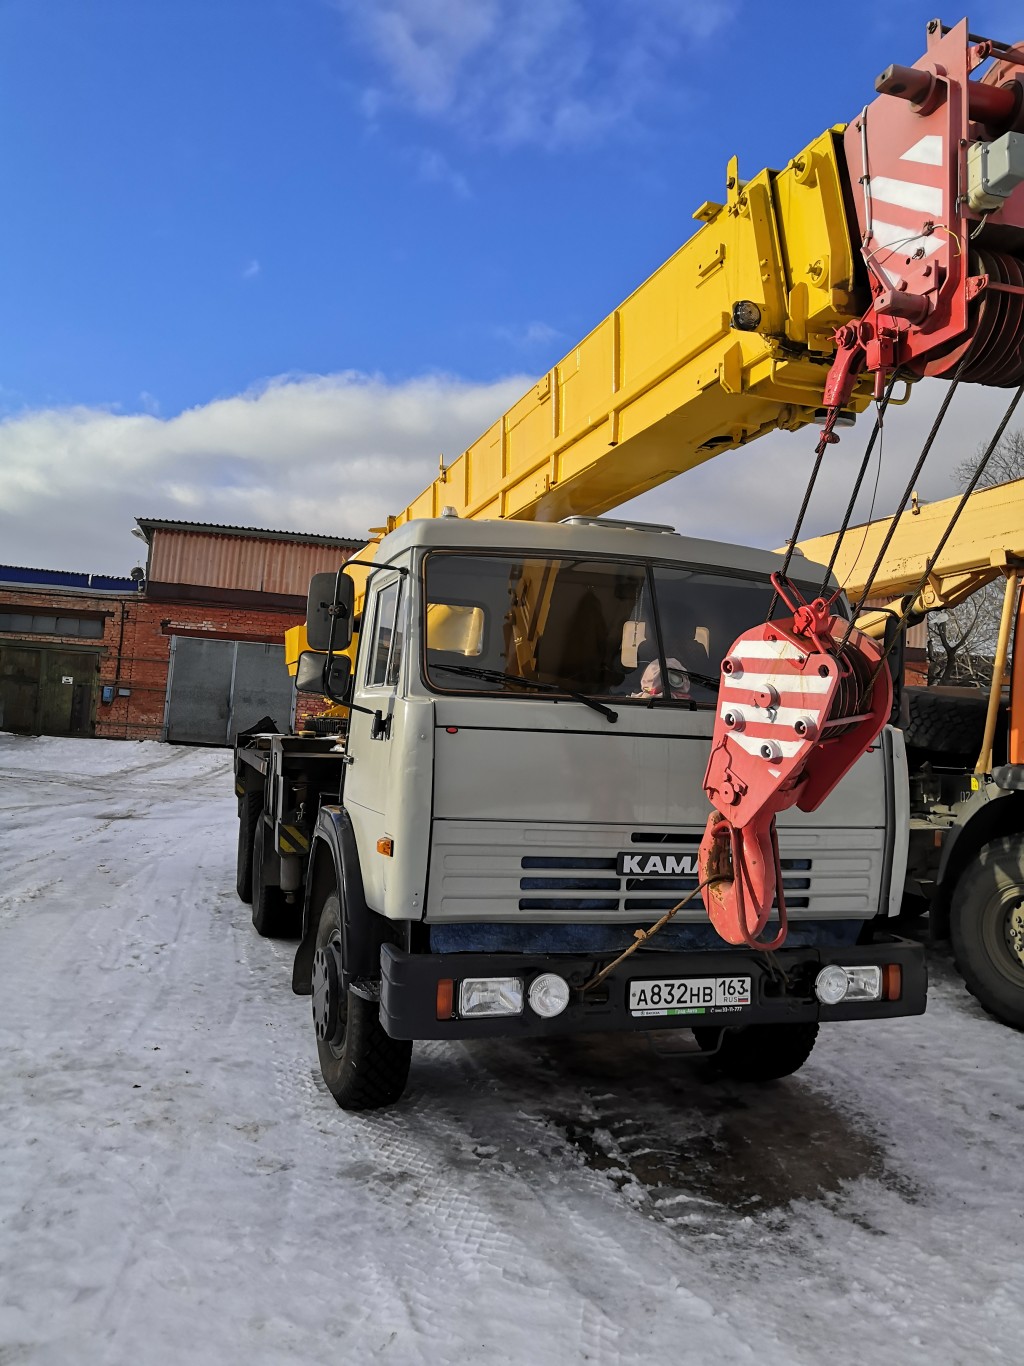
(514, 795)
(965, 750)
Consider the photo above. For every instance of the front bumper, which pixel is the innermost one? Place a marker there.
(782, 989)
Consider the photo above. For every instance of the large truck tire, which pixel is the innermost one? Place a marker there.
(272, 916)
(249, 810)
(760, 1052)
(946, 730)
(986, 923)
(364, 1068)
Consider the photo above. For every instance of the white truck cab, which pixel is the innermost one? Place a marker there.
(521, 790)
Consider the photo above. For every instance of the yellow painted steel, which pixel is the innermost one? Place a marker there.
(995, 687)
(988, 536)
(666, 381)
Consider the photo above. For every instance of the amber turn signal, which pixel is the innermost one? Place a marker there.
(445, 998)
(892, 982)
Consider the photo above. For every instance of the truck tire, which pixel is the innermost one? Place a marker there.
(947, 730)
(249, 809)
(760, 1052)
(272, 916)
(364, 1068)
(986, 923)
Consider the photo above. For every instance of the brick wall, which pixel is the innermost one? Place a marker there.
(135, 647)
(67, 603)
(146, 652)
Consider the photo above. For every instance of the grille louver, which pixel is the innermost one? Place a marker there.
(568, 882)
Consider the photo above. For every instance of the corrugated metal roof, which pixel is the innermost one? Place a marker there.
(150, 524)
(66, 578)
(258, 564)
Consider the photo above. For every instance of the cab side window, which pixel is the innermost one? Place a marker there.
(386, 643)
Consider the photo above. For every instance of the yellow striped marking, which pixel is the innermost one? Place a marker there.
(295, 843)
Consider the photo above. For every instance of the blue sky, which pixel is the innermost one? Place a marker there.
(423, 204)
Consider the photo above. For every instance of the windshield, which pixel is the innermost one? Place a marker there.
(650, 633)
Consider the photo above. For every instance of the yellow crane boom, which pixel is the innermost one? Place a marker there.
(800, 295)
(986, 544)
(987, 538)
(732, 337)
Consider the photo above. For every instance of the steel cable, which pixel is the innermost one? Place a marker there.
(875, 433)
(911, 484)
(912, 597)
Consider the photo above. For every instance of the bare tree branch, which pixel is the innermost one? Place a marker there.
(967, 659)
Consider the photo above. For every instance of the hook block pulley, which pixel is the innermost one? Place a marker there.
(801, 699)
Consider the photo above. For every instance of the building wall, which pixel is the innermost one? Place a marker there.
(67, 603)
(134, 650)
(146, 651)
(202, 582)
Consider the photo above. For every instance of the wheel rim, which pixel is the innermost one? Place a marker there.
(1002, 932)
(328, 996)
(1014, 928)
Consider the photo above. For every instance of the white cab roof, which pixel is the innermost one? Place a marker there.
(591, 538)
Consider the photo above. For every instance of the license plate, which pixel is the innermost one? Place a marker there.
(688, 995)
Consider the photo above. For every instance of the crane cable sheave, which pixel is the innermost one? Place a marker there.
(801, 699)
(936, 172)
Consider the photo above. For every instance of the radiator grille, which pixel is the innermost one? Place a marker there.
(490, 870)
(562, 875)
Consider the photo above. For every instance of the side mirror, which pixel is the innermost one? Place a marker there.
(328, 675)
(337, 678)
(331, 602)
(309, 675)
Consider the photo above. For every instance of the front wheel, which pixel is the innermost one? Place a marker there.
(986, 925)
(364, 1067)
(760, 1052)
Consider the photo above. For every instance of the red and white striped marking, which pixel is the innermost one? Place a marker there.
(799, 696)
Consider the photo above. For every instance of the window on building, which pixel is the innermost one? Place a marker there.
(43, 624)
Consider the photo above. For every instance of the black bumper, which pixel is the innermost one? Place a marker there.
(781, 992)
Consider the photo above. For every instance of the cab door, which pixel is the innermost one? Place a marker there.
(374, 735)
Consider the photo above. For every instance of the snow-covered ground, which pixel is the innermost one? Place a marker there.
(176, 1186)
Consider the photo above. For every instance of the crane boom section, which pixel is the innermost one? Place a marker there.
(988, 536)
(678, 373)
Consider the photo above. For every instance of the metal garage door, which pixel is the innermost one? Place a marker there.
(47, 691)
(215, 688)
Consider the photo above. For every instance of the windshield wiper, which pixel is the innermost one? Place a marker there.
(706, 680)
(497, 676)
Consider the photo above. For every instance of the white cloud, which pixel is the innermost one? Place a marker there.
(434, 169)
(517, 72)
(335, 454)
(532, 335)
(251, 269)
(330, 454)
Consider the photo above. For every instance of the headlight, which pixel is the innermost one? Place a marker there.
(481, 996)
(865, 984)
(860, 983)
(830, 985)
(548, 995)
